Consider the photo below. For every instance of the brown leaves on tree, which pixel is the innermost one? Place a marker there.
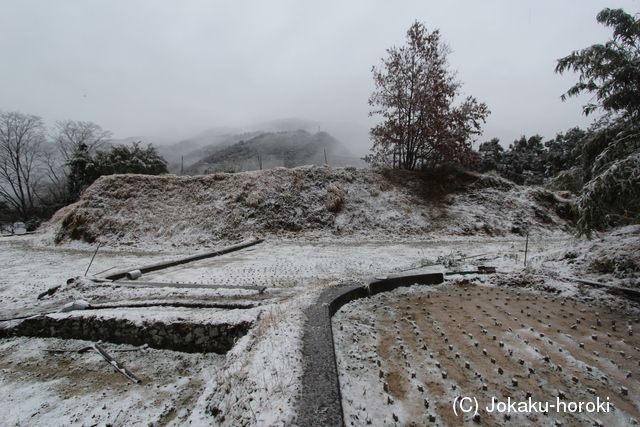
(415, 95)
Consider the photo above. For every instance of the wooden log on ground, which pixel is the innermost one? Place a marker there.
(163, 265)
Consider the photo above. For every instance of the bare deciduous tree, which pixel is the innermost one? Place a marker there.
(72, 138)
(21, 140)
(70, 135)
(54, 188)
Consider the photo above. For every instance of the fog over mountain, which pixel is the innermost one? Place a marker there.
(269, 150)
(166, 71)
(343, 143)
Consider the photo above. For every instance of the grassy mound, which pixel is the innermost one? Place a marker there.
(303, 202)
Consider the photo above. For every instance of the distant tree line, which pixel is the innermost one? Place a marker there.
(530, 161)
(602, 164)
(43, 170)
(422, 127)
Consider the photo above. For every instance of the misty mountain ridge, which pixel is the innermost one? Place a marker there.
(188, 153)
(193, 150)
(272, 149)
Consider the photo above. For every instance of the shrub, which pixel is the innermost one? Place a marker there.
(335, 197)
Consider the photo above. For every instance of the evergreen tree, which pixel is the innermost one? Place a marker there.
(120, 159)
(610, 160)
(610, 152)
(491, 156)
(610, 71)
(529, 161)
(124, 159)
(525, 161)
(563, 151)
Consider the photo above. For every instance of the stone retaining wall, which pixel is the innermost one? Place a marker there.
(179, 336)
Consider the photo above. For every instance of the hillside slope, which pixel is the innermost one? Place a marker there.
(288, 149)
(304, 202)
(192, 150)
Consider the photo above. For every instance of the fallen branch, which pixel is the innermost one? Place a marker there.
(84, 349)
(124, 371)
(101, 351)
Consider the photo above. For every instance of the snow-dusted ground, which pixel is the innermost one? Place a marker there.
(302, 263)
(307, 202)
(257, 382)
(41, 388)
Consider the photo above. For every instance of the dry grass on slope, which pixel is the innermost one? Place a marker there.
(303, 202)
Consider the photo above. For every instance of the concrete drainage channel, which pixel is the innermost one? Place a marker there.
(84, 321)
(320, 401)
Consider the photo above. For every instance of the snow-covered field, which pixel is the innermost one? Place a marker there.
(257, 382)
(42, 388)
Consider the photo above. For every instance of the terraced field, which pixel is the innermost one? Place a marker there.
(407, 356)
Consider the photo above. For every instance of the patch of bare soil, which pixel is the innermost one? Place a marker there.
(405, 358)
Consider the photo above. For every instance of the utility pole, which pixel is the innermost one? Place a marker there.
(325, 156)
(260, 162)
(182, 167)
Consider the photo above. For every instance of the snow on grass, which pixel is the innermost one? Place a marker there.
(261, 378)
(381, 227)
(612, 257)
(41, 388)
(305, 202)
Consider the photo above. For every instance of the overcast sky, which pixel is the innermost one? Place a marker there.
(176, 68)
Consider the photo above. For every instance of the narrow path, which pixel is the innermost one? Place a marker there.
(320, 401)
